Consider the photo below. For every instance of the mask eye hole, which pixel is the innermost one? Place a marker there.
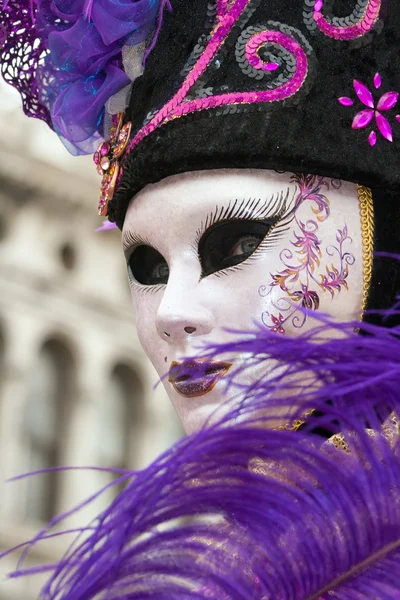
(147, 266)
(230, 243)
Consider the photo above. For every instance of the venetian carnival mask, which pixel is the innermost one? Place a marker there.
(223, 250)
(250, 154)
(201, 134)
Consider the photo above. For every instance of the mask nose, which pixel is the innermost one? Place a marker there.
(182, 313)
(190, 329)
(172, 327)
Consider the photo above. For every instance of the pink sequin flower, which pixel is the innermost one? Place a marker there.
(374, 109)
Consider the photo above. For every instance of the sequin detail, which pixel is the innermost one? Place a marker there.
(107, 158)
(257, 43)
(260, 54)
(366, 15)
(373, 109)
(223, 7)
(181, 104)
(363, 20)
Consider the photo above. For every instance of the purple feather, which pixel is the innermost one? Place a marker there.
(240, 511)
(87, 9)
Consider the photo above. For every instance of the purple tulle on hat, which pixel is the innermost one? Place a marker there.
(78, 108)
(78, 66)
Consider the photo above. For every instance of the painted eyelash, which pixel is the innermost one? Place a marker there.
(143, 289)
(133, 239)
(233, 211)
(146, 289)
(268, 242)
(237, 211)
(241, 212)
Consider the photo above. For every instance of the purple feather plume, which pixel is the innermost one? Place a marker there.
(239, 511)
(87, 9)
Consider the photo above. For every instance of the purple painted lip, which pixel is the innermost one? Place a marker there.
(197, 377)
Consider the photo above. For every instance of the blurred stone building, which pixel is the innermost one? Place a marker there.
(75, 386)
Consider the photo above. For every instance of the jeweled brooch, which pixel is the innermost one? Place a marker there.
(107, 157)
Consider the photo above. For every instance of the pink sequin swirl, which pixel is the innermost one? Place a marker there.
(179, 106)
(223, 7)
(364, 25)
(253, 46)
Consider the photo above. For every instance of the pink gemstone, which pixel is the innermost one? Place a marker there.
(271, 67)
(105, 148)
(397, 117)
(388, 101)
(372, 138)
(377, 81)
(105, 163)
(363, 93)
(362, 119)
(346, 101)
(384, 127)
(96, 158)
(318, 6)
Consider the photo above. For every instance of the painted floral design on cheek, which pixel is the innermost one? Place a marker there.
(302, 279)
(363, 118)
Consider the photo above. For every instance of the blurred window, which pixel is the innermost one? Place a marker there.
(2, 361)
(120, 421)
(68, 256)
(3, 227)
(2, 351)
(44, 427)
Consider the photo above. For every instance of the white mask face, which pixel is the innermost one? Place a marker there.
(217, 250)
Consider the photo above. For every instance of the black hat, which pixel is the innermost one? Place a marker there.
(271, 84)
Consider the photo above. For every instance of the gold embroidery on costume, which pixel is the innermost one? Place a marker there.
(367, 234)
